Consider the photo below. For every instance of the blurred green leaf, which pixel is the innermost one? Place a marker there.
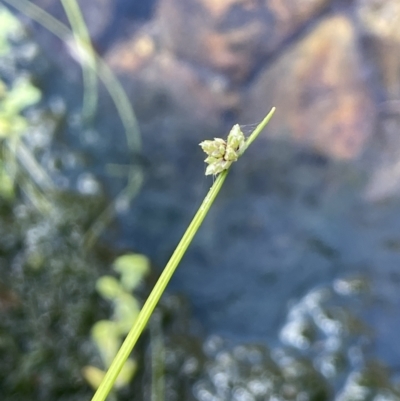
(108, 287)
(8, 25)
(22, 95)
(132, 267)
(12, 102)
(6, 184)
(125, 312)
(106, 336)
(93, 376)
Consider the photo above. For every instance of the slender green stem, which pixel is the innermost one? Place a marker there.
(151, 302)
(109, 80)
(88, 61)
(258, 129)
(42, 17)
(155, 295)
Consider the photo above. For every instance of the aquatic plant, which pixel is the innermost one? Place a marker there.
(108, 334)
(155, 295)
(221, 154)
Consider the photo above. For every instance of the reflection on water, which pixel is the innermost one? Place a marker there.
(325, 351)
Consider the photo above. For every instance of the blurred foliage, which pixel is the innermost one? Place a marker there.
(47, 283)
(12, 103)
(8, 25)
(15, 97)
(108, 334)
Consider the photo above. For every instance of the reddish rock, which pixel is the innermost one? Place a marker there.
(319, 90)
(231, 36)
(380, 20)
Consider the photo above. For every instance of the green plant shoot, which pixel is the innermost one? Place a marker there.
(238, 147)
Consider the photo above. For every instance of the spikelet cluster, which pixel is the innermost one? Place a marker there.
(220, 153)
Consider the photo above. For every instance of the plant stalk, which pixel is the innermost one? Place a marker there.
(155, 295)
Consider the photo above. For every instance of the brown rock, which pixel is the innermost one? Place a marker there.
(132, 53)
(320, 94)
(169, 84)
(231, 36)
(381, 21)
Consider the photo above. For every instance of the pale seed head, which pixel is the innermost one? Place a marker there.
(230, 154)
(220, 153)
(235, 138)
(215, 148)
(217, 167)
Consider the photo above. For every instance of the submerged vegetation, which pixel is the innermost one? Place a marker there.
(108, 334)
(235, 142)
(48, 279)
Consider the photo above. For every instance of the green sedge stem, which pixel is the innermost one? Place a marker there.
(259, 128)
(155, 295)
